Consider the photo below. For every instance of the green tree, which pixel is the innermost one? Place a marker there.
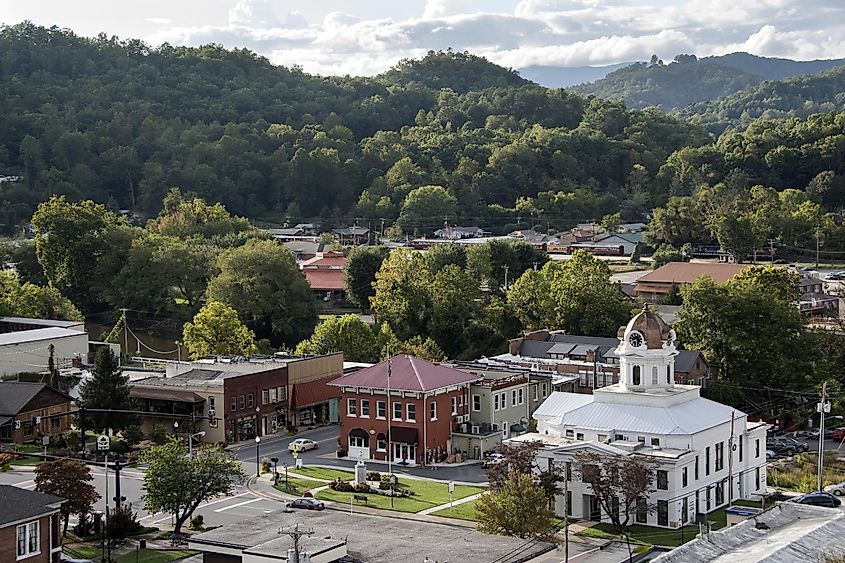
(108, 388)
(69, 479)
(425, 209)
(30, 300)
(749, 334)
(454, 304)
(441, 255)
(517, 508)
(348, 334)
(178, 484)
(499, 259)
(665, 254)
(184, 217)
(576, 296)
(362, 263)
(611, 222)
(216, 330)
(263, 283)
(81, 247)
(401, 294)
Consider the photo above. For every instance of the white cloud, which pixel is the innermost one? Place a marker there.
(528, 32)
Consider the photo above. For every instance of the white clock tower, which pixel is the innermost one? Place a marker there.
(646, 353)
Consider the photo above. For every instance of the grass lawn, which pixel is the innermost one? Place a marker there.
(153, 556)
(297, 486)
(323, 473)
(799, 473)
(83, 551)
(427, 494)
(27, 460)
(662, 536)
(465, 511)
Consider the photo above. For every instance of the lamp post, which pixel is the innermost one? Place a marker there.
(175, 427)
(179, 351)
(257, 458)
(190, 442)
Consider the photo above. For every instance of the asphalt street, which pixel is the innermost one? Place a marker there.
(326, 436)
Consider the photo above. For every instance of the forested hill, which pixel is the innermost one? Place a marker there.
(688, 80)
(801, 96)
(121, 122)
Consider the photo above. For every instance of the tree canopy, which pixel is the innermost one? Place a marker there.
(216, 330)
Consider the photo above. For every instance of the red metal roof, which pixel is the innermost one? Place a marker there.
(313, 393)
(325, 260)
(325, 280)
(407, 374)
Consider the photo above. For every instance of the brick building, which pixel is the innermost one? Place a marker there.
(30, 527)
(31, 410)
(426, 403)
(236, 399)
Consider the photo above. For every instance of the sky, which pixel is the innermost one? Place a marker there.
(366, 37)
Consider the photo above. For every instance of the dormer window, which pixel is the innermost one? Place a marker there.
(636, 375)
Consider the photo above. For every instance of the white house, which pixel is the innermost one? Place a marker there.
(708, 453)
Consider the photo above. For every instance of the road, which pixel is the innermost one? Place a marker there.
(325, 455)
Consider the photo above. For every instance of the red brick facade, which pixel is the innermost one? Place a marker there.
(49, 539)
(247, 414)
(419, 440)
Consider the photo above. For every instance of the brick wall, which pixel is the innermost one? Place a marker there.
(8, 542)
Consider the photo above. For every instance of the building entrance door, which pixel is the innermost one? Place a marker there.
(404, 453)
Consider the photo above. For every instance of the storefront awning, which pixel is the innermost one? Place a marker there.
(358, 433)
(164, 394)
(404, 435)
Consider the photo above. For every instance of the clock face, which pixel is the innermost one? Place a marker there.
(635, 339)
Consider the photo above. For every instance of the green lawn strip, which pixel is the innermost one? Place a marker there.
(428, 494)
(323, 473)
(463, 511)
(153, 556)
(297, 486)
(27, 461)
(83, 550)
(661, 536)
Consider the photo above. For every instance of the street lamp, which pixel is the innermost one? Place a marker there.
(190, 443)
(257, 458)
(179, 351)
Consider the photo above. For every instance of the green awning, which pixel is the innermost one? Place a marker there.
(517, 428)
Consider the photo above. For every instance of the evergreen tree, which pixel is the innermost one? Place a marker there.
(108, 388)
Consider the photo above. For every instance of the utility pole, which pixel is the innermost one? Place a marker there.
(731, 461)
(389, 415)
(125, 334)
(506, 268)
(296, 533)
(817, 247)
(106, 501)
(823, 407)
(566, 512)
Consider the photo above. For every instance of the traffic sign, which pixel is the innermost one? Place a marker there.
(103, 443)
(451, 487)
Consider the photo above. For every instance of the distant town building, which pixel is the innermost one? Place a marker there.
(456, 233)
(655, 285)
(590, 359)
(324, 273)
(707, 454)
(352, 236)
(26, 344)
(628, 241)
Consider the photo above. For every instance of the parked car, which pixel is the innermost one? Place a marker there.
(835, 276)
(303, 444)
(837, 489)
(793, 443)
(494, 459)
(779, 447)
(770, 454)
(819, 498)
(307, 504)
(838, 434)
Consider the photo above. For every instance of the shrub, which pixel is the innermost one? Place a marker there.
(362, 488)
(6, 458)
(266, 464)
(133, 435)
(123, 522)
(196, 522)
(384, 482)
(341, 486)
(71, 440)
(159, 434)
(373, 476)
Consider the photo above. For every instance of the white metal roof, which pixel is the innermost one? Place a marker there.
(578, 410)
(35, 335)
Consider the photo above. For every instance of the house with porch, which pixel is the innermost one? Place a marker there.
(706, 454)
(29, 411)
(403, 409)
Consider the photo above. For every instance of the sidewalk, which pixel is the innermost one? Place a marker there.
(263, 487)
